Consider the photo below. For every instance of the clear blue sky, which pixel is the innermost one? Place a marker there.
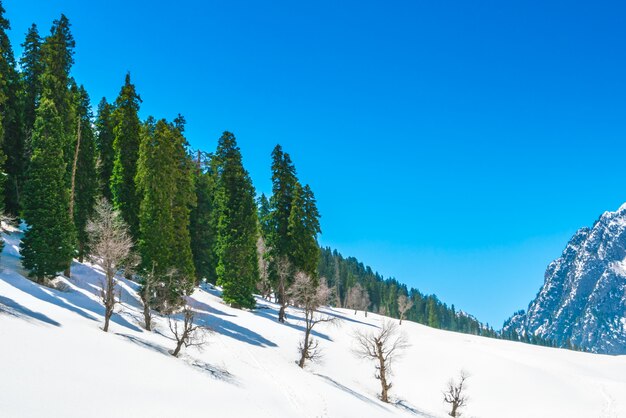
(453, 145)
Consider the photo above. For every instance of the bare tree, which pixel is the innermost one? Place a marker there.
(404, 304)
(264, 286)
(186, 333)
(308, 295)
(455, 394)
(283, 269)
(147, 295)
(358, 299)
(111, 245)
(383, 346)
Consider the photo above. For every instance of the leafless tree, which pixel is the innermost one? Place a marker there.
(404, 304)
(283, 270)
(186, 333)
(309, 295)
(264, 286)
(455, 394)
(358, 299)
(111, 245)
(383, 347)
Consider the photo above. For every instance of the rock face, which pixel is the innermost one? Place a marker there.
(583, 298)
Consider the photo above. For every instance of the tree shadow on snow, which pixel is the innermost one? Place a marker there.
(73, 301)
(402, 405)
(350, 391)
(143, 343)
(233, 330)
(332, 312)
(48, 295)
(272, 315)
(11, 307)
(91, 278)
(203, 307)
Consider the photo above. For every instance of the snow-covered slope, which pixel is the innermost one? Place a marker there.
(56, 362)
(583, 299)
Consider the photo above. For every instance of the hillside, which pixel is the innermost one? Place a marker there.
(583, 299)
(56, 361)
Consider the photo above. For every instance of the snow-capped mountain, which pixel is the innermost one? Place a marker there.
(583, 298)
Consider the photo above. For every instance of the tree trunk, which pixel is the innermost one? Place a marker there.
(305, 348)
(382, 374)
(147, 317)
(176, 351)
(281, 314)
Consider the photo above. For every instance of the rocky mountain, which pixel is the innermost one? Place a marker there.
(583, 299)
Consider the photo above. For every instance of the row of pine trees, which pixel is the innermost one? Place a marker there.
(192, 215)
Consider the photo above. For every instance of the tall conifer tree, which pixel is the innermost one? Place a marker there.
(104, 142)
(32, 66)
(204, 218)
(126, 149)
(11, 111)
(48, 243)
(86, 179)
(167, 197)
(237, 270)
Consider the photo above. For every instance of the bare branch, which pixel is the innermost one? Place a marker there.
(383, 347)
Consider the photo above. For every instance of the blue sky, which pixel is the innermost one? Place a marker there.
(453, 145)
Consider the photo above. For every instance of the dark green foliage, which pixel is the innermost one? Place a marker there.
(283, 185)
(32, 67)
(184, 199)
(237, 270)
(160, 174)
(105, 126)
(86, 178)
(126, 149)
(11, 111)
(302, 231)
(58, 57)
(204, 219)
(343, 273)
(47, 246)
(264, 215)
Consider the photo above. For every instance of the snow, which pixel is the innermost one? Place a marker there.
(57, 362)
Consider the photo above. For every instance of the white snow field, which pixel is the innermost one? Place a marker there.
(55, 361)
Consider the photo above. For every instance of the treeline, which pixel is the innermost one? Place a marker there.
(343, 274)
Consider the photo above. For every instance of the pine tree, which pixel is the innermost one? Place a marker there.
(86, 179)
(104, 142)
(203, 225)
(184, 200)
(47, 246)
(32, 66)
(164, 182)
(58, 57)
(283, 184)
(126, 149)
(11, 111)
(237, 270)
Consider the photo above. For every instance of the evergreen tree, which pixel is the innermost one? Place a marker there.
(184, 200)
(58, 57)
(32, 66)
(264, 216)
(126, 149)
(237, 270)
(12, 138)
(302, 231)
(203, 226)
(47, 246)
(86, 178)
(167, 196)
(104, 142)
(278, 240)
